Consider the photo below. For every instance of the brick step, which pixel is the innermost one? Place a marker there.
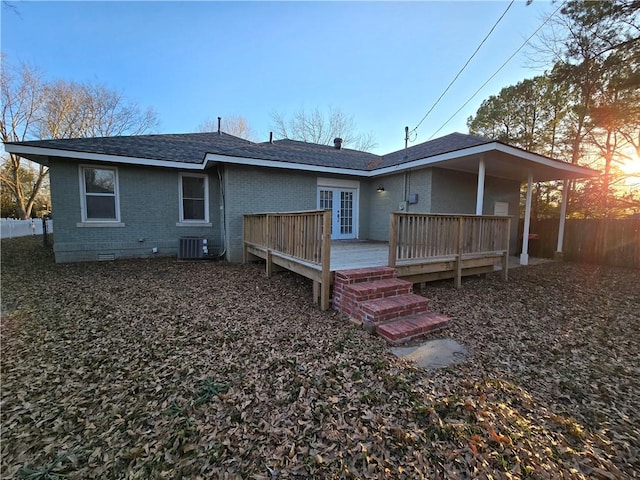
(346, 278)
(387, 287)
(356, 293)
(383, 309)
(368, 274)
(406, 328)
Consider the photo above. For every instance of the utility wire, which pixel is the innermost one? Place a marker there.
(463, 67)
(497, 71)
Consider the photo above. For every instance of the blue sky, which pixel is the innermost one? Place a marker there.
(383, 62)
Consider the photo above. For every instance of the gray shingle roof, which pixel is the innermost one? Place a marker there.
(292, 151)
(180, 147)
(192, 148)
(448, 143)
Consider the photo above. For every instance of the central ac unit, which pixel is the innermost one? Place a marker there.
(192, 248)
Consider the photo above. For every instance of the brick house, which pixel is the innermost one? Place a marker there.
(136, 196)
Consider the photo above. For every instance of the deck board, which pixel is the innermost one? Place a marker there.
(346, 255)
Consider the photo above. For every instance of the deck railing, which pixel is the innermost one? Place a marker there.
(421, 236)
(294, 237)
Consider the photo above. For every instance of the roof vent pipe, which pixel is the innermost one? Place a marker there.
(219, 123)
(337, 143)
(270, 137)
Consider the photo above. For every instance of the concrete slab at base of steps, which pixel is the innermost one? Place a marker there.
(437, 353)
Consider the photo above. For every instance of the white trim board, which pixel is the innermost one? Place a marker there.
(210, 157)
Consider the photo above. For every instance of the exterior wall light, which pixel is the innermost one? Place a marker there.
(380, 188)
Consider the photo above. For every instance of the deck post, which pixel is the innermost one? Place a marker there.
(245, 255)
(393, 239)
(505, 258)
(269, 264)
(325, 285)
(458, 277)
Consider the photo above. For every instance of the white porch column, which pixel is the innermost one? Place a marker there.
(563, 216)
(480, 194)
(524, 256)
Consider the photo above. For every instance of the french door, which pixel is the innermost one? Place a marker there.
(342, 203)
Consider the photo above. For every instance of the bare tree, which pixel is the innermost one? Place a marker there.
(235, 125)
(22, 95)
(316, 126)
(73, 110)
(35, 109)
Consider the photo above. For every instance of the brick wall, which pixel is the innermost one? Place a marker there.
(149, 210)
(259, 190)
(383, 203)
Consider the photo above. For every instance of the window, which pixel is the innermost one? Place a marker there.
(194, 198)
(99, 188)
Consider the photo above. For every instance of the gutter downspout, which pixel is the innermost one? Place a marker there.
(223, 215)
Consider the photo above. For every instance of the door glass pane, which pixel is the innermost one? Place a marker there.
(326, 199)
(346, 213)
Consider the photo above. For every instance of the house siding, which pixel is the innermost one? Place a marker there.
(149, 210)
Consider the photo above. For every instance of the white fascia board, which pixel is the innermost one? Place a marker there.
(429, 161)
(256, 162)
(549, 162)
(210, 157)
(423, 162)
(488, 147)
(100, 157)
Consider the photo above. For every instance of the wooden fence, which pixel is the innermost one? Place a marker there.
(423, 238)
(600, 241)
(297, 241)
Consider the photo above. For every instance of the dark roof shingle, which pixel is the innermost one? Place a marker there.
(179, 147)
(192, 148)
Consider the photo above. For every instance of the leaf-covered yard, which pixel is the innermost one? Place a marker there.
(160, 369)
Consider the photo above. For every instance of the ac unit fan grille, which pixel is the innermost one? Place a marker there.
(192, 248)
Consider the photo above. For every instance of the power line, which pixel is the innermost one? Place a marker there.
(463, 67)
(497, 71)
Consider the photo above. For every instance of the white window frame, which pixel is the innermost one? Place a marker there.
(187, 222)
(98, 222)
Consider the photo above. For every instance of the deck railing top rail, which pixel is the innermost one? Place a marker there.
(415, 236)
(296, 234)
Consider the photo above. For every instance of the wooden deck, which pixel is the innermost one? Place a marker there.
(422, 247)
(347, 255)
